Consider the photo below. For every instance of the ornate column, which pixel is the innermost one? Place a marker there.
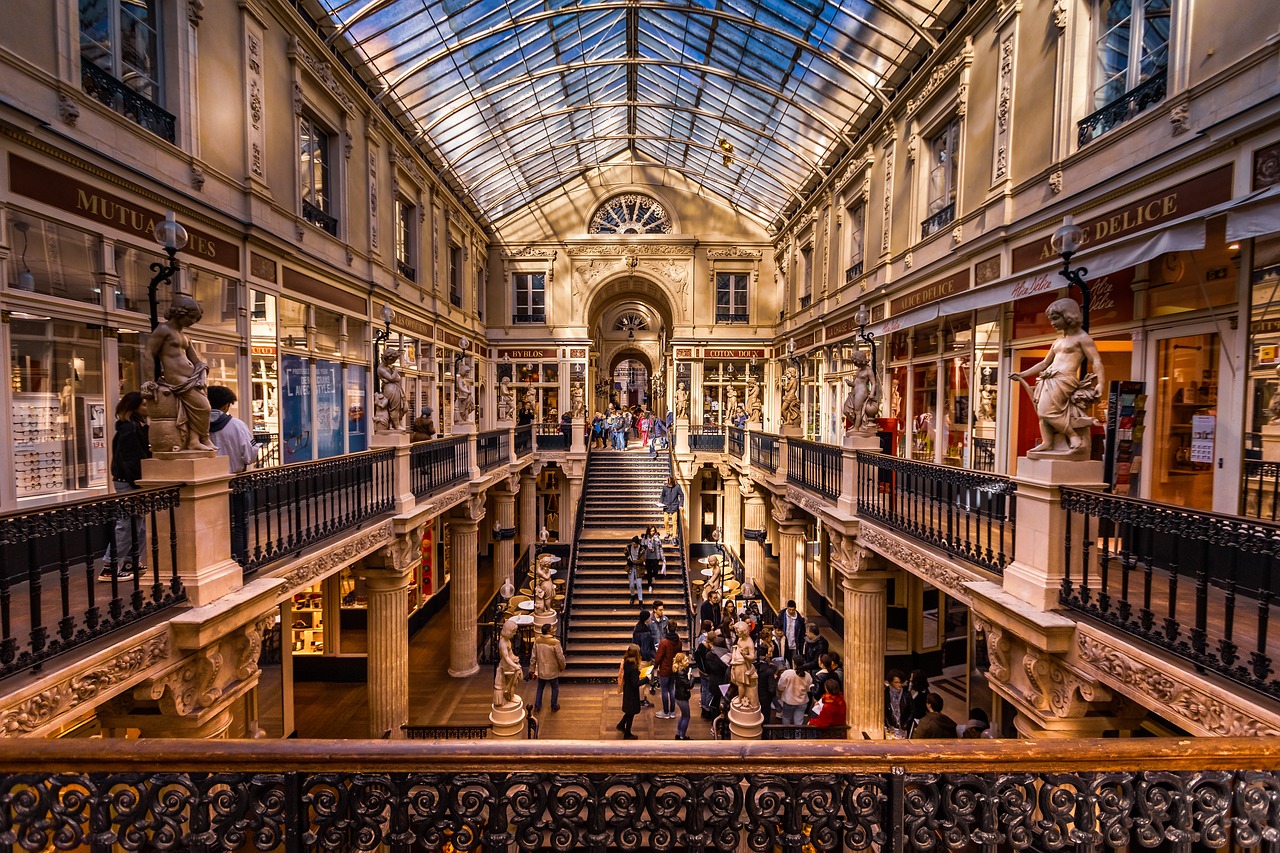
(388, 631)
(865, 635)
(529, 506)
(504, 510)
(753, 532)
(731, 524)
(462, 595)
(791, 539)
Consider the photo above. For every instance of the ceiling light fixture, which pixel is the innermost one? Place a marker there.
(26, 280)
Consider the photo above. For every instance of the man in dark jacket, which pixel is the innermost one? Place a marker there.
(897, 704)
(812, 648)
(792, 624)
(934, 724)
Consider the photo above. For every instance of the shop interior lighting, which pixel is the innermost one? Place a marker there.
(26, 279)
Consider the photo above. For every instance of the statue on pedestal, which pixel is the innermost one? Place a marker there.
(464, 398)
(181, 388)
(544, 591)
(755, 408)
(790, 410)
(389, 406)
(1062, 398)
(506, 678)
(577, 402)
(682, 402)
(742, 669)
(506, 399)
(862, 403)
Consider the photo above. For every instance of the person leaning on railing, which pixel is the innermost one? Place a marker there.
(129, 446)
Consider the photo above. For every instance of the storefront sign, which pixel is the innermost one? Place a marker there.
(684, 353)
(1264, 327)
(839, 330)
(305, 285)
(66, 193)
(1165, 206)
(414, 325)
(931, 293)
(260, 266)
(261, 350)
(526, 354)
(738, 353)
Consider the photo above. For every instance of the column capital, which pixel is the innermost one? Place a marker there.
(748, 488)
(470, 511)
(787, 515)
(509, 487)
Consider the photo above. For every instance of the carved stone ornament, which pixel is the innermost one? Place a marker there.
(747, 487)
(473, 508)
(998, 646)
(940, 75)
(813, 504)
(195, 12)
(945, 577)
(197, 176)
(1164, 690)
(67, 109)
(529, 252)
(191, 687)
(322, 70)
(734, 252)
(83, 689)
(1055, 180)
(1056, 688)
(326, 563)
(783, 512)
(444, 502)
(617, 249)
(846, 555)
(1060, 14)
(1180, 116)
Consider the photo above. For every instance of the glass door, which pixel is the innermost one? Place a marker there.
(1184, 442)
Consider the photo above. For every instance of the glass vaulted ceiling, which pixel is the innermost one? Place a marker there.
(517, 97)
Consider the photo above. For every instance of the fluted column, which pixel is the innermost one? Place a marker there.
(529, 507)
(504, 547)
(388, 631)
(462, 592)
(791, 539)
(865, 642)
(753, 532)
(732, 522)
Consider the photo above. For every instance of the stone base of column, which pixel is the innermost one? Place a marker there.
(464, 673)
(540, 619)
(861, 441)
(745, 722)
(508, 721)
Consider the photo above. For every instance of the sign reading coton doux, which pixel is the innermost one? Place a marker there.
(66, 193)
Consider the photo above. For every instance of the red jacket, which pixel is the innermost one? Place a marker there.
(832, 712)
(666, 655)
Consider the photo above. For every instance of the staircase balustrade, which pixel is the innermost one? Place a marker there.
(498, 794)
(59, 547)
(816, 467)
(438, 464)
(706, 438)
(572, 563)
(737, 437)
(278, 512)
(967, 514)
(550, 437)
(1197, 584)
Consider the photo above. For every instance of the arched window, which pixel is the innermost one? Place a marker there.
(630, 214)
(630, 320)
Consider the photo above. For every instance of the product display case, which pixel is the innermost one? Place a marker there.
(307, 629)
(39, 436)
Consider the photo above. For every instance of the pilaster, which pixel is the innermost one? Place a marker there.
(791, 541)
(462, 593)
(732, 523)
(504, 523)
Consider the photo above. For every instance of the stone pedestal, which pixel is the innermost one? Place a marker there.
(745, 721)
(388, 633)
(1038, 566)
(508, 721)
(753, 533)
(796, 431)
(682, 438)
(1271, 442)
(578, 445)
(569, 506)
(864, 652)
(462, 597)
(402, 480)
(202, 523)
(540, 619)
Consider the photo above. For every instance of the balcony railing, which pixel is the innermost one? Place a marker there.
(455, 299)
(853, 273)
(142, 111)
(1262, 490)
(519, 794)
(732, 317)
(816, 467)
(965, 513)
(737, 441)
(436, 465)
(706, 438)
(551, 437)
(405, 270)
(938, 221)
(1197, 584)
(319, 218)
(51, 563)
(764, 451)
(277, 512)
(529, 318)
(492, 449)
(1123, 108)
(984, 455)
(524, 440)
(806, 301)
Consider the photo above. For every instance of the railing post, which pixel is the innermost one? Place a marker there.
(201, 523)
(401, 476)
(850, 446)
(576, 444)
(783, 447)
(1039, 560)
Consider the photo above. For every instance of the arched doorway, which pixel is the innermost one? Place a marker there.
(630, 321)
(631, 383)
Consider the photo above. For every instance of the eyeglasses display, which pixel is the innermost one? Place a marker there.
(39, 427)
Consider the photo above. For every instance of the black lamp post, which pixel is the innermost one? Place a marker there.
(1066, 240)
(862, 317)
(379, 340)
(170, 234)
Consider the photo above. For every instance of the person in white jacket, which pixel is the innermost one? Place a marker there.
(793, 692)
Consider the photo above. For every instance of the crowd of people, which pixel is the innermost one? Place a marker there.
(621, 425)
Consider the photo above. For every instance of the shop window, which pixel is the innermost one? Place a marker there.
(357, 378)
(293, 324)
(218, 298)
(1193, 281)
(724, 390)
(537, 390)
(134, 269)
(53, 259)
(315, 160)
(331, 409)
(264, 377)
(307, 628)
(328, 331)
(296, 407)
(630, 214)
(456, 269)
(120, 50)
(1130, 62)
(1262, 401)
(856, 219)
(530, 298)
(404, 214)
(943, 177)
(1183, 445)
(731, 298)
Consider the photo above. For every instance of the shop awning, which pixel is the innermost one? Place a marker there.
(1255, 215)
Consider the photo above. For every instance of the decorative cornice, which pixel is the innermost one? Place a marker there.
(940, 74)
(529, 252)
(808, 502)
(734, 252)
(940, 574)
(322, 71)
(638, 249)
(303, 574)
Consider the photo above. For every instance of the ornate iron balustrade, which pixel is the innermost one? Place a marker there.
(780, 732)
(1198, 584)
(139, 109)
(405, 270)
(1261, 490)
(529, 318)
(1123, 108)
(815, 467)
(728, 317)
(317, 217)
(965, 513)
(59, 546)
(737, 441)
(278, 512)
(455, 299)
(806, 301)
(492, 449)
(550, 437)
(984, 455)
(938, 221)
(853, 273)
(706, 438)
(764, 451)
(524, 440)
(790, 797)
(436, 465)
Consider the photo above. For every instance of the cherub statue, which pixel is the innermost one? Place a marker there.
(755, 408)
(731, 400)
(544, 591)
(859, 414)
(790, 410)
(742, 669)
(1063, 399)
(506, 399)
(577, 401)
(389, 407)
(682, 402)
(506, 678)
(182, 373)
(464, 398)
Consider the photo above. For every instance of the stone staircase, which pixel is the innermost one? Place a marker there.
(619, 499)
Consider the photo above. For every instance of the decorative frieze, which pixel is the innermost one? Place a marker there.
(940, 75)
(322, 70)
(813, 504)
(734, 252)
(255, 97)
(618, 249)
(940, 574)
(888, 196)
(305, 573)
(1004, 108)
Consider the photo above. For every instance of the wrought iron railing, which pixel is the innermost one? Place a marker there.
(436, 465)
(853, 273)
(737, 441)
(984, 455)
(523, 440)
(319, 218)
(730, 317)
(1261, 491)
(1123, 108)
(706, 438)
(805, 301)
(1197, 584)
(570, 565)
(529, 318)
(938, 221)
(765, 451)
(268, 449)
(968, 514)
(550, 437)
(500, 794)
(780, 732)
(405, 270)
(278, 512)
(815, 467)
(139, 109)
(52, 559)
(492, 449)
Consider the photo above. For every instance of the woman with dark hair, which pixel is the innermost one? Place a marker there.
(918, 684)
(129, 446)
(629, 686)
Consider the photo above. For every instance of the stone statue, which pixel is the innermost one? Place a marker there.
(181, 389)
(790, 410)
(987, 403)
(506, 678)
(1063, 400)
(506, 399)
(577, 402)
(895, 399)
(544, 591)
(389, 407)
(464, 397)
(742, 669)
(755, 408)
(731, 401)
(862, 403)
(682, 402)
